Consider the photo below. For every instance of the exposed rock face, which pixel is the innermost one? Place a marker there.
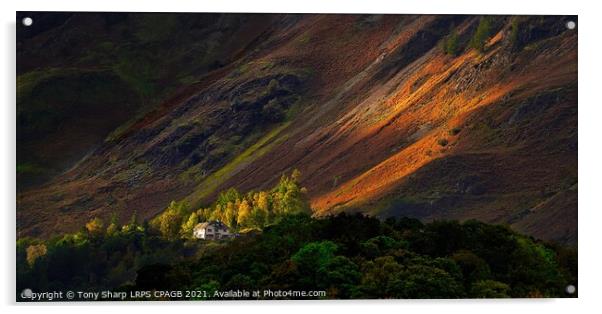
(371, 110)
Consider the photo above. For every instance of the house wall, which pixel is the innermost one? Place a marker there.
(211, 232)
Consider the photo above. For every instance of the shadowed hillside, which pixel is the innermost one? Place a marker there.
(454, 117)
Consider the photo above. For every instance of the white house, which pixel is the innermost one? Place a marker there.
(212, 230)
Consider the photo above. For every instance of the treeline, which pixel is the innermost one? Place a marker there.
(348, 256)
(354, 256)
(253, 210)
(97, 257)
(106, 255)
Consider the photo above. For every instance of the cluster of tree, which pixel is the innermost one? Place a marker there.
(454, 43)
(106, 255)
(253, 210)
(354, 256)
(523, 31)
(348, 256)
(100, 256)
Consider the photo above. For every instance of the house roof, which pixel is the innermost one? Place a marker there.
(213, 223)
(201, 225)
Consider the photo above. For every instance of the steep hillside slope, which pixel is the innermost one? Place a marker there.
(425, 116)
(83, 76)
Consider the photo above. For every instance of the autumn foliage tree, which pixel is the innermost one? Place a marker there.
(188, 226)
(253, 210)
(95, 227)
(34, 252)
(113, 225)
(169, 223)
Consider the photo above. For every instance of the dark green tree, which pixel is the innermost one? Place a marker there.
(452, 44)
(482, 34)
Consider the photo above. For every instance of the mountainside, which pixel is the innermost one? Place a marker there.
(433, 117)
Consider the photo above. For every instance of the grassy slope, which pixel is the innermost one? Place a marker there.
(210, 184)
(138, 70)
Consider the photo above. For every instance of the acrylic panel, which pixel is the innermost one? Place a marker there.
(231, 156)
